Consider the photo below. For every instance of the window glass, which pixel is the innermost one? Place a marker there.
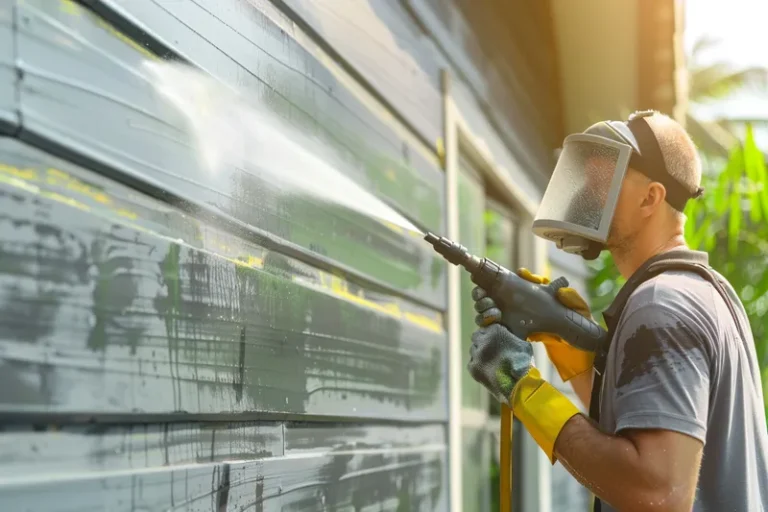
(471, 236)
(502, 246)
(476, 462)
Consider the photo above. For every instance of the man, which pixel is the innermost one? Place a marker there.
(678, 397)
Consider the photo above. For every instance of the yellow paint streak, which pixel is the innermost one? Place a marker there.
(18, 183)
(66, 200)
(431, 324)
(21, 178)
(250, 261)
(340, 288)
(61, 178)
(24, 174)
(393, 227)
(440, 149)
(127, 40)
(128, 214)
(69, 7)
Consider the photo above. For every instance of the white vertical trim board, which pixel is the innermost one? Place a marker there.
(496, 176)
(459, 138)
(455, 368)
(474, 418)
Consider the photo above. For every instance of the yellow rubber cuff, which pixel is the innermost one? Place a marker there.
(542, 409)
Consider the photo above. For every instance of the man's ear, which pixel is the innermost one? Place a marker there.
(655, 195)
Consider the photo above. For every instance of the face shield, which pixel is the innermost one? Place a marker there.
(577, 209)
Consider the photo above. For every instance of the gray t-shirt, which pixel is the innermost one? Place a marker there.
(678, 362)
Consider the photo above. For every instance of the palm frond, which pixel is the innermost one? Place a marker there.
(718, 81)
(701, 45)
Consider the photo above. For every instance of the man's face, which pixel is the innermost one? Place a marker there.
(628, 218)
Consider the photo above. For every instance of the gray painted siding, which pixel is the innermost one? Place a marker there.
(8, 113)
(507, 86)
(145, 297)
(223, 467)
(242, 44)
(379, 39)
(484, 131)
(139, 292)
(382, 41)
(68, 54)
(114, 303)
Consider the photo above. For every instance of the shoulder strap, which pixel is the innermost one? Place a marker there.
(710, 275)
(652, 270)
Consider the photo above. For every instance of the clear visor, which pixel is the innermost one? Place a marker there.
(581, 184)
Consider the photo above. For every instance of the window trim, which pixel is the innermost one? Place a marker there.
(460, 140)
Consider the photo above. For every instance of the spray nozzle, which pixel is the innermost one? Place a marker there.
(452, 251)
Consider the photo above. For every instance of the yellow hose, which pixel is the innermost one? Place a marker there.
(505, 460)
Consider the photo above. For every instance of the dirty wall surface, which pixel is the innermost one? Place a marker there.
(176, 338)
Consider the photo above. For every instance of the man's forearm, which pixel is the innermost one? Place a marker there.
(582, 386)
(611, 467)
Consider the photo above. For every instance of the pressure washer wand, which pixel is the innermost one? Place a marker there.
(458, 255)
(526, 308)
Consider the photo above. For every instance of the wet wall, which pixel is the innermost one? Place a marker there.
(381, 41)
(223, 467)
(173, 338)
(113, 302)
(8, 117)
(505, 55)
(70, 54)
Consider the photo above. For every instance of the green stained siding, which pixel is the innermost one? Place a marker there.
(472, 236)
(476, 463)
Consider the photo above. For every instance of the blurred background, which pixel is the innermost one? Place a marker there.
(210, 233)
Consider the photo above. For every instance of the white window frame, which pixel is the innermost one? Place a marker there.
(459, 138)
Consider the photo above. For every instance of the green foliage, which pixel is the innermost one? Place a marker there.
(712, 81)
(730, 222)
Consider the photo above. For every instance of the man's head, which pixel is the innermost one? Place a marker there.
(642, 214)
(621, 185)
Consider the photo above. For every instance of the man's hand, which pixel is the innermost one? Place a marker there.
(498, 360)
(569, 361)
(503, 363)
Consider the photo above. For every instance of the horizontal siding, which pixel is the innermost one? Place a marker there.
(385, 45)
(89, 93)
(505, 53)
(63, 453)
(8, 115)
(507, 161)
(201, 467)
(180, 337)
(116, 303)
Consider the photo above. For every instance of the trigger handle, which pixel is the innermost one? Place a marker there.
(560, 282)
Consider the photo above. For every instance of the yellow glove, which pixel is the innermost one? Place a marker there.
(503, 363)
(569, 361)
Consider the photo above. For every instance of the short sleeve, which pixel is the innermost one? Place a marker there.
(662, 373)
